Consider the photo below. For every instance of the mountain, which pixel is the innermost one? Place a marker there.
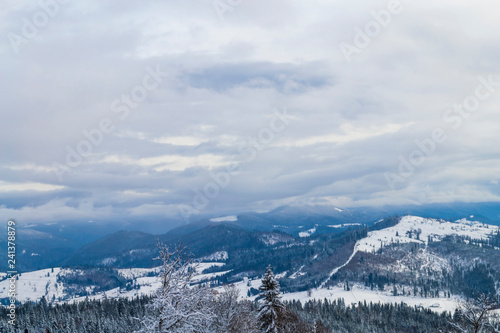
(419, 261)
(64, 243)
(134, 249)
(36, 249)
(294, 219)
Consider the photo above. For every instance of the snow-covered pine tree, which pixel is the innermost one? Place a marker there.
(178, 306)
(271, 309)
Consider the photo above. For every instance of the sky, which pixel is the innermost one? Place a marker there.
(118, 110)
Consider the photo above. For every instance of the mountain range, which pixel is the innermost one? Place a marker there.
(86, 243)
(316, 253)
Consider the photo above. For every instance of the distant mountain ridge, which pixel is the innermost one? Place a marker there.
(62, 243)
(412, 259)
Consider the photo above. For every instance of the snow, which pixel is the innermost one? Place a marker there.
(219, 255)
(208, 276)
(357, 293)
(343, 225)
(108, 261)
(435, 229)
(32, 286)
(200, 267)
(230, 218)
(307, 233)
(131, 273)
(273, 238)
(429, 261)
(335, 270)
(243, 287)
(298, 273)
(427, 228)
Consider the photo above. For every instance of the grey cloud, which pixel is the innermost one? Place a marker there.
(225, 79)
(286, 78)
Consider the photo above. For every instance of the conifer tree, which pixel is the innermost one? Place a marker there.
(271, 309)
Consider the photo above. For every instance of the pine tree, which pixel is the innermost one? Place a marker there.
(271, 309)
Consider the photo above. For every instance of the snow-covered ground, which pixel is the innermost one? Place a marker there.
(220, 255)
(298, 273)
(357, 293)
(32, 286)
(307, 233)
(407, 229)
(131, 273)
(337, 226)
(418, 230)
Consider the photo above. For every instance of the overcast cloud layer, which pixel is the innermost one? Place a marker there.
(244, 106)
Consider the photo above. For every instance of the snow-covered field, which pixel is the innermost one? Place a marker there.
(357, 293)
(33, 285)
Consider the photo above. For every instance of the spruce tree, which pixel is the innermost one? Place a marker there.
(271, 309)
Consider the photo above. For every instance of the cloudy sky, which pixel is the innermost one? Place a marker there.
(117, 110)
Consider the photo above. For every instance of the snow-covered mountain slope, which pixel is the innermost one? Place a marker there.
(421, 230)
(414, 229)
(32, 286)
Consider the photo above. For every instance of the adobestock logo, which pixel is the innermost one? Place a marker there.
(221, 7)
(372, 29)
(249, 150)
(30, 26)
(122, 107)
(453, 116)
